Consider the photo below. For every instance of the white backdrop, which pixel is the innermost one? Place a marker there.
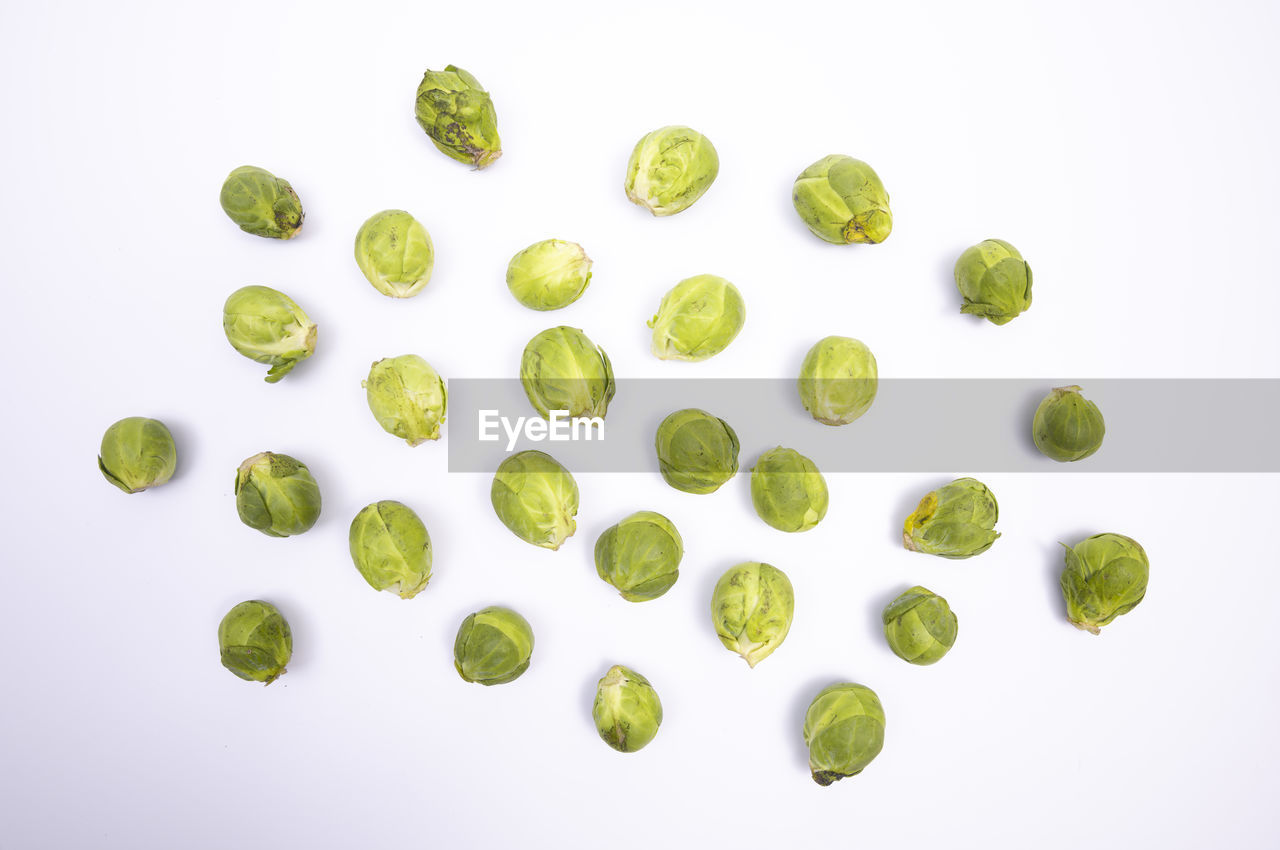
(1128, 151)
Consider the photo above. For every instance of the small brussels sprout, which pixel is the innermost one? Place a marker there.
(268, 327)
(842, 200)
(407, 397)
(261, 203)
(391, 548)
(919, 626)
(994, 280)
(536, 498)
(669, 169)
(137, 453)
(640, 556)
(255, 641)
(751, 609)
(838, 380)
(697, 452)
(788, 491)
(457, 114)
(1105, 576)
(564, 370)
(844, 728)
(954, 521)
(276, 495)
(627, 710)
(395, 253)
(1067, 426)
(493, 646)
(697, 319)
(549, 275)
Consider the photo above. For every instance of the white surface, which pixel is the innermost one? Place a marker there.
(1129, 152)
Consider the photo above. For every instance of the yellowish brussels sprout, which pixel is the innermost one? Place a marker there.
(137, 453)
(562, 369)
(1105, 576)
(391, 548)
(493, 646)
(697, 452)
(627, 710)
(408, 398)
(261, 203)
(671, 168)
(395, 254)
(549, 274)
(842, 200)
(536, 498)
(788, 491)
(751, 608)
(838, 380)
(955, 521)
(1067, 426)
(276, 495)
(640, 556)
(697, 319)
(458, 116)
(255, 641)
(266, 326)
(919, 626)
(844, 728)
(994, 280)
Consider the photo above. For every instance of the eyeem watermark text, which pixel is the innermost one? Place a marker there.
(558, 428)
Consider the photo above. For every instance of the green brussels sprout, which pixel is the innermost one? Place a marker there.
(751, 608)
(838, 380)
(842, 200)
(955, 521)
(697, 319)
(919, 626)
(255, 641)
(669, 169)
(391, 548)
(994, 280)
(562, 369)
(697, 452)
(457, 114)
(536, 498)
(1105, 576)
(1067, 426)
(627, 710)
(788, 491)
(266, 326)
(137, 453)
(493, 646)
(844, 728)
(395, 253)
(640, 556)
(407, 397)
(276, 495)
(261, 203)
(549, 274)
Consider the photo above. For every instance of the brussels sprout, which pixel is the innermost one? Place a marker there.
(255, 641)
(493, 646)
(954, 521)
(407, 397)
(1067, 426)
(267, 327)
(697, 319)
(788, 491)
(751, 609)
(261, 203)
(137, 453)
(838, 380)
(842, 200)
(276, 495)
(671, 168)
(640, 556)
(1105, 576)
(395, 253)
(536, 498)
(457, 113)
(549, 275)
(627, 710)
(994, 280)
(391, 548)
(564, 370)
(844, 728)
(919, 626)
(696, 451)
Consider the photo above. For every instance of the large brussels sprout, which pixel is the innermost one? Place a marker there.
(255, 641)
(536, 498)
(994, 280)
(549, 274)
(276, 495)
(1105, 576)
(493, 646)
(919, 626)
(842, 200)
(137, 453)
(955, 521)
(261, 203)
(1067, 426)
(391, 548)
(838, 380)
(751, 608)
(562, 369)
(408, 398)
(844, 728)
(457, 114)
(395, 253)
(627, 710)
(697, 319)
(640, 556)
(788, 491)
(671, 168)
(266, 326)
(697, 452)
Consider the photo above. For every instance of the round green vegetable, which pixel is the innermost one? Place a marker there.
(458, 116)
(266, 326)
(1105, 576)
(842, 200)
(536, 498)
(838, 380)
(994, 280)
(627, 711)
(671, 168)
(391, 548)
(955, 521)
(919, 626)
(751, 608)
(255, 641)
(493, 646)
(697, 319)
(395, 253)
(137, 453)
(697, 452)
(640, 556)
(788, 491)
(1067, 426)
(276, 495)
(562, 369)
(407, 397)
(549, 275)
(844, 728)
(261, 203)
